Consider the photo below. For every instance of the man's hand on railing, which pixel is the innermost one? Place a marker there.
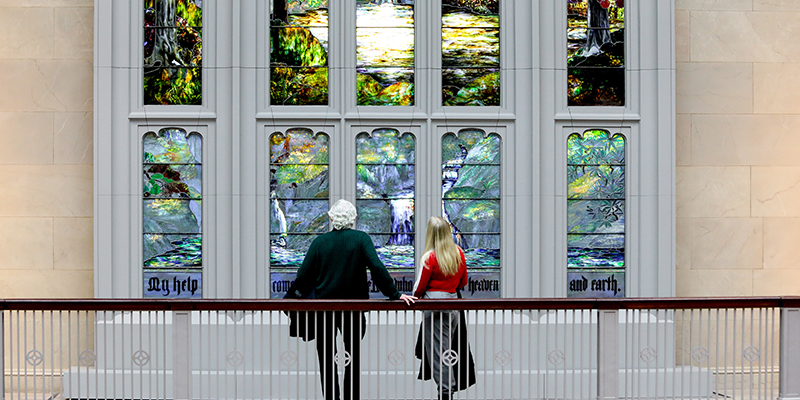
(408, 299)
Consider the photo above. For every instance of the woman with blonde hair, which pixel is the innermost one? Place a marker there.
(441, 275)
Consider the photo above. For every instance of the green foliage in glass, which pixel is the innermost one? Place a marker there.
(483, 91)
(385, 146)
(470, 53)
(596, 52)
(299, 157)
(596, 181)
(173, 52)
(298, 53)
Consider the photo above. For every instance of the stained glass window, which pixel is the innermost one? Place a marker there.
(470, 53)
(471, 194)
(298, 194)
(299, 52)
(596, 52)
(385, 185)
(173, 51)
(596, 214)
(172, 209)
(385, 53)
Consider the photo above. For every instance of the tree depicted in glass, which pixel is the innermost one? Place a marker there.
(385, 189)
(384, 53)
(470, 52)
(596, 205)
(471, 194)
(596, 52)
(298, 52)
(172, 200)
(298, 190)
(173, 52)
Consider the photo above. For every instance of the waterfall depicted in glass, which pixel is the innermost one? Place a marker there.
(385, 52)
(172, 200)
(471, 194)
(298, 190)
(596, 203)
(596, 52)
(470, 52)
(385, 179)
(298, 52)
(173, 52)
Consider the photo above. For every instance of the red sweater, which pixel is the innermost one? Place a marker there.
(432, 279)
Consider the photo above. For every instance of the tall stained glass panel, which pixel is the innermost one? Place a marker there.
(298, 195)
(596, 52)
(385, 185)
(173, 52)
(172, 211)
(299, 52)
(596, 214)
(471, 195)
(470, 53)
(385, 53)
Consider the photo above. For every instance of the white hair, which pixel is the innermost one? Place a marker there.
(343, 215)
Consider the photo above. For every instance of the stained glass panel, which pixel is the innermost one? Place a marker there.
(470, 52)
(385, 184)
(172, 202)
(471, 194)
(173, 52)
(596, 52)
(298, 194)
(385, 53)
(596, 211)
(299, 52)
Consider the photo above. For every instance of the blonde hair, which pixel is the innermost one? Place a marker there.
(342, 215)
(439, 238)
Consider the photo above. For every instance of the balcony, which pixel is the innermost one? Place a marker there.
(731, 348)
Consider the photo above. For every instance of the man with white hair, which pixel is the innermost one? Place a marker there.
(335, 267)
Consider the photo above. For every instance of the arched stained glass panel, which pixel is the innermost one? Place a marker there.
(385, 189)
(596, 52)
(298, 194)
(299, 52)
(173, 52)
(596, 214)
(470, 53)
(471, 195)
(172, 213)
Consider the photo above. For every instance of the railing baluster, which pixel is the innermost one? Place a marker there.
(182, 356)
(790, 354)
(2, 355)
(607, 354)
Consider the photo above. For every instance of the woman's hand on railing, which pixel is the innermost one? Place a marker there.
(408, 299)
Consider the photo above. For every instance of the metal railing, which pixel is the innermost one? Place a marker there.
(720, 348)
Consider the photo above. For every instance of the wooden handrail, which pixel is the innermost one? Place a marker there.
(661, 303)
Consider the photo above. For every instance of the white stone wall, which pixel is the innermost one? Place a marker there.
(738, 147)
(46, 56)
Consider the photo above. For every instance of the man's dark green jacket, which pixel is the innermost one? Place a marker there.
(336, 267)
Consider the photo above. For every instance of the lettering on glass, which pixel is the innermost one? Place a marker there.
(471, 53)
(588, 284)
(482, 285)
(595, 204)
(596, 52)
(172, 200)
(173, 285)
